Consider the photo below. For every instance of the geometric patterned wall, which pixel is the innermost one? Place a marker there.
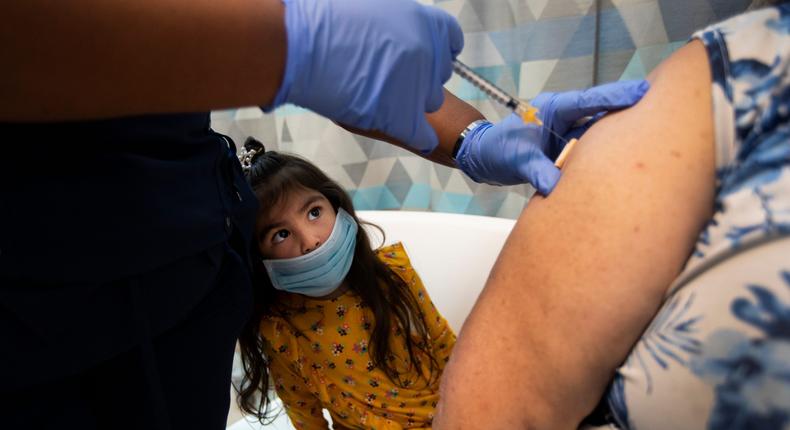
(524, 46)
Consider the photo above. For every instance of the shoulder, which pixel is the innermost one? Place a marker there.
(396, 258)
(749, 58)
(283, 325)
(393, 255)
(283, 343)
(275, 329)
(775, 19)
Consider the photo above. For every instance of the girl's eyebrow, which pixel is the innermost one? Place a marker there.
(310, 200)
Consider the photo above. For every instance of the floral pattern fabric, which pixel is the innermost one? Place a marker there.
(717, 355)
(320, 359)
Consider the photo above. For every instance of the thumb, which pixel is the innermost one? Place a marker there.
(574, 105)
(577, 132)
(446, 23)
(611, 96)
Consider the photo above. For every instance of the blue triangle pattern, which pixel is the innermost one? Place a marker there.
(418, 197)
(453, 202)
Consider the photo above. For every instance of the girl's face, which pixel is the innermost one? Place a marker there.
(300, 223)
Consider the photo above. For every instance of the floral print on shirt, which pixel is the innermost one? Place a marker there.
(717, 355)
(320, 359)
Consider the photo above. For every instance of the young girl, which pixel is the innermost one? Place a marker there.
(336, 325)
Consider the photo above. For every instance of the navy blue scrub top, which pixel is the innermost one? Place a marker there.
(102, 200)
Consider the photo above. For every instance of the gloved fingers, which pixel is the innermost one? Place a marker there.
(578, 131)
(575, 132)
(573, 105)
(456, 37)
(546, 103)
(542, 174)
(540, 101)
(513, 120)
(612, 96)
(449, 25)
(435, 97)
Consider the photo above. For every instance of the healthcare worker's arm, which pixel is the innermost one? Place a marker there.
(448, 122)
(584, 270)
(370, 64)
(83, 59)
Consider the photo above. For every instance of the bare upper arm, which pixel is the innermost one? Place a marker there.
(91, 59)
(584, 269)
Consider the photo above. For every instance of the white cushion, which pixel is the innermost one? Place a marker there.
(452, 253)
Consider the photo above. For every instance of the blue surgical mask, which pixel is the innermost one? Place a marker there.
(319, 272)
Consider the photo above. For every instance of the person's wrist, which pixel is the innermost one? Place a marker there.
(464, 134)
(466, 155)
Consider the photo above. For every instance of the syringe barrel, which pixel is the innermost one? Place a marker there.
(492, 90)
(524, 110)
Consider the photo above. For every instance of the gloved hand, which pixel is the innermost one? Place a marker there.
(512, 152)
(370, 64)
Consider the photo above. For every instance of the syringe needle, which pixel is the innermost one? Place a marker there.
(556, 134)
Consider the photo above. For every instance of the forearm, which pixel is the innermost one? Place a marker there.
(85, 59)
(448, 122)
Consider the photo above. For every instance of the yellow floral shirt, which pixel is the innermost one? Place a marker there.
(319, 359)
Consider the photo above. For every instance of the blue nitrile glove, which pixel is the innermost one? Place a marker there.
(512, 152)
(370, 64)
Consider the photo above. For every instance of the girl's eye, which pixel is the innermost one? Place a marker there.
(280, 236)
(314, 213)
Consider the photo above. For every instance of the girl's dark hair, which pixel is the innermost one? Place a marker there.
(757, 4)
(272, 176)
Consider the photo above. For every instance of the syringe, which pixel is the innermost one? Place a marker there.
(527, 112)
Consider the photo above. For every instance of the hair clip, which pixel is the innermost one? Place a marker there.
(245, 158)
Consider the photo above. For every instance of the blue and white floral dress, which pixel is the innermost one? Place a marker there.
(717, 355)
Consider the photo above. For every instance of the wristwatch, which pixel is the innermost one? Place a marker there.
(463, 135)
